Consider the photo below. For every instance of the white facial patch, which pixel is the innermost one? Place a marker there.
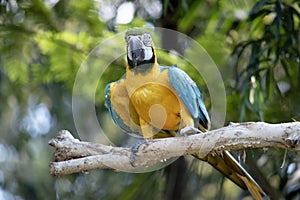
(148, 53)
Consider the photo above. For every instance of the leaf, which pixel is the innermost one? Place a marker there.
(257, 7)
(16, 70)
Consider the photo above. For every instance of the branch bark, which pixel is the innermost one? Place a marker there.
(74, 156)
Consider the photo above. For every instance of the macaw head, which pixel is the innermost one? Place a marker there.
(139, 47)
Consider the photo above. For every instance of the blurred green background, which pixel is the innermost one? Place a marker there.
(255, 44)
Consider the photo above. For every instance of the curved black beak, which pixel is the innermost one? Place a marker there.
(136, 51)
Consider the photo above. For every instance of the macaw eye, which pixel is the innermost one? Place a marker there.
(147, 39)
(127, 38)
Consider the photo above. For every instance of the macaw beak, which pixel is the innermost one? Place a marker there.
(136, 51)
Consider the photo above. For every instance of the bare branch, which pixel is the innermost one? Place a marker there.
(73, 156)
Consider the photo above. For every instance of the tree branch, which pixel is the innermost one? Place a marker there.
(74, 156)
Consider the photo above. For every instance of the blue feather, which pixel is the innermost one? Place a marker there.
(190, 95)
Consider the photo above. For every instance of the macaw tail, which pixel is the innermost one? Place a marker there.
(228, 166)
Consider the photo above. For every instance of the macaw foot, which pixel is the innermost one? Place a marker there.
(135, 149)
(189, 130)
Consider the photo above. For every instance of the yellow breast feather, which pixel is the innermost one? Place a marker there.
(156, 103)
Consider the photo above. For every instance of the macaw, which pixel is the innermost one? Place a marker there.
(155, 101)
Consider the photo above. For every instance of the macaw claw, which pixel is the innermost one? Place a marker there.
(135, 149)
(189, 130)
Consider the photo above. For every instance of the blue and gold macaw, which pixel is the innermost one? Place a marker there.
(155, 101)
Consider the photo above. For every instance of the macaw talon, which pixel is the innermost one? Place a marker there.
(189, 130)
(135, 149)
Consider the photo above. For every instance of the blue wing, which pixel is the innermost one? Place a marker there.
(190, 95)
(118, 104)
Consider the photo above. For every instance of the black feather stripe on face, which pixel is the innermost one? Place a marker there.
(145, 62)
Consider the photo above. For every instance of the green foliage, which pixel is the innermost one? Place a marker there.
(272, 52)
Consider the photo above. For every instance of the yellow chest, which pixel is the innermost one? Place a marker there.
(157, 105)
(155, 101)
